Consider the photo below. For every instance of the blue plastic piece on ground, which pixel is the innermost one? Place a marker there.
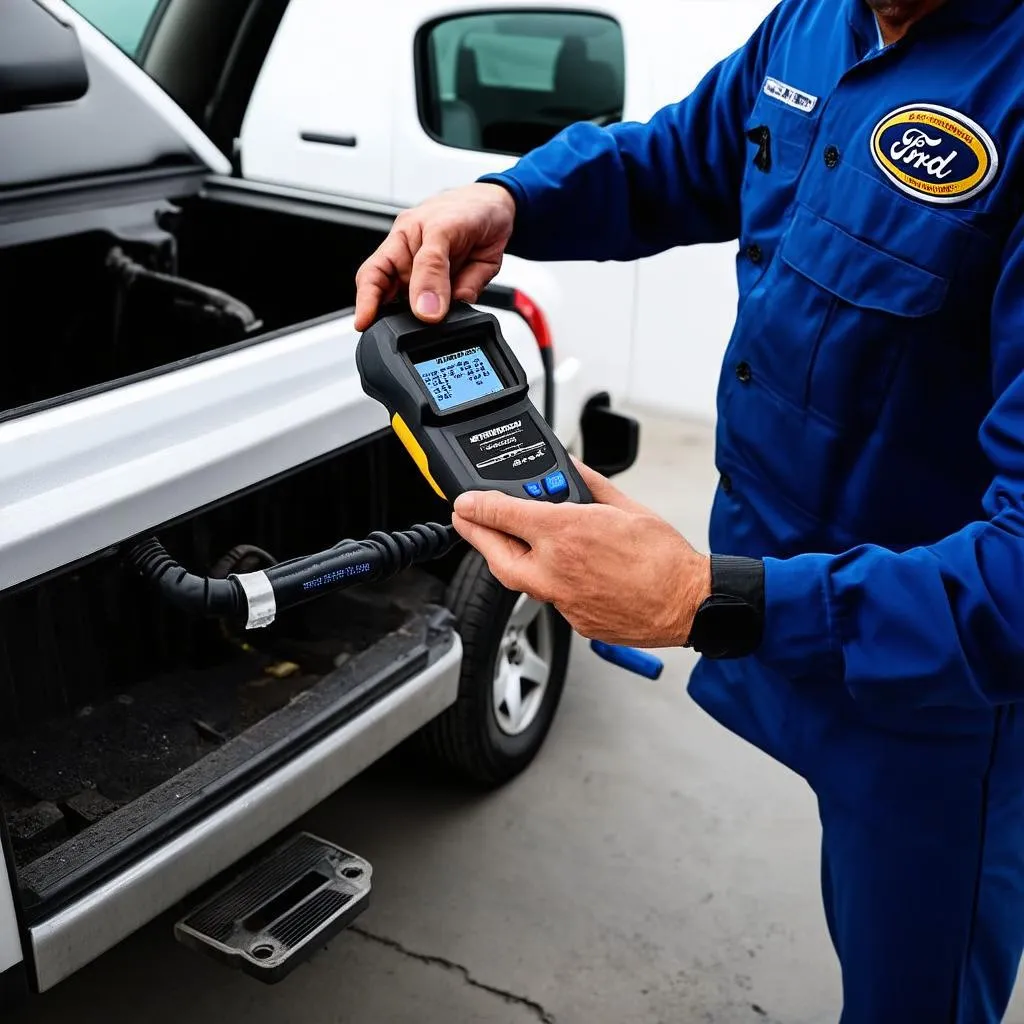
(629, 658)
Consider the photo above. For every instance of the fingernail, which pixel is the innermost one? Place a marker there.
(429, 304)
(464, 505)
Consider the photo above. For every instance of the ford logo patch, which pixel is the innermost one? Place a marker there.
(934, 153)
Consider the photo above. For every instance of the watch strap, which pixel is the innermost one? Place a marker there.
(737, 576)
(730, 623)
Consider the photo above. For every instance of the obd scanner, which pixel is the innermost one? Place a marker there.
(458, 399)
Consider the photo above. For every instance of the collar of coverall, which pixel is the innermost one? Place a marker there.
(953, 12)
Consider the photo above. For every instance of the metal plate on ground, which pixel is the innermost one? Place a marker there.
(280, 911)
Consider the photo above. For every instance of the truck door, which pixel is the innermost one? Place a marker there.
(319, 115)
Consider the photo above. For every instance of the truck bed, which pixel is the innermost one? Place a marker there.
(121, 719)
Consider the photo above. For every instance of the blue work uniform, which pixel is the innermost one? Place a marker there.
(871, 445)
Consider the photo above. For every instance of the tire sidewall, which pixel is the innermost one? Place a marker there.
(482, 642)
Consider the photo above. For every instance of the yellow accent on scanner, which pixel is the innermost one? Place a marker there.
(412, 446)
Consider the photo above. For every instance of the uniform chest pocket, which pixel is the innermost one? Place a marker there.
(778, 137)
(859, 308)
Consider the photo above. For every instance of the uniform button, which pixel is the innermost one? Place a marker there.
(831, 157)
(726, 482)
(743, 374)
(754, 253)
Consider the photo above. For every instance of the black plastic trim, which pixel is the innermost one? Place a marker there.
(365, 680)
(611, 440)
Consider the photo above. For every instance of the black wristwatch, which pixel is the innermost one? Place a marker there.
(730, 623)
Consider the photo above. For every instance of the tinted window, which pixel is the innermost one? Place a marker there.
(123, 21)
(505, 83)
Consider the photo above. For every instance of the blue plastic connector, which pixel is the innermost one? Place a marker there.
(629, 658)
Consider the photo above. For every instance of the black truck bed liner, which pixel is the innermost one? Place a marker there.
(174, 748)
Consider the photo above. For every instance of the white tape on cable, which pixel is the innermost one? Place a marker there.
(259, 595)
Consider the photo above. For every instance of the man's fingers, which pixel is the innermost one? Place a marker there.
(372, 286)
(380, 277)
(517, 517)
(473, 279)
(605, 492)
(430, 286)
(506, 557)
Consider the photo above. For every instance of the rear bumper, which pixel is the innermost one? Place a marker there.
(99, 919)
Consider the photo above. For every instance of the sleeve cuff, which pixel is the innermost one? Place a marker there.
(520, 228)
(799, 636)
(505, 179)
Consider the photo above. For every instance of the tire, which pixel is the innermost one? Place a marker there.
(484, 740)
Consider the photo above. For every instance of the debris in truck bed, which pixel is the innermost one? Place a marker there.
(126, 747)
(88, 807)
(37, 829)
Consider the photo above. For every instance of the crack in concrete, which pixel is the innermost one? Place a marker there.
(511, 998)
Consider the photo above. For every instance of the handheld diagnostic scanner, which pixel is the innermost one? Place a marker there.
(458, 399)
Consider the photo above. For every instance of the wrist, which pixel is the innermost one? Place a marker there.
(502, 194)
(695, 592)
(505, 189)
(729, 622)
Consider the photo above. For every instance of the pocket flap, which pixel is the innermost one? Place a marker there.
(857, 272)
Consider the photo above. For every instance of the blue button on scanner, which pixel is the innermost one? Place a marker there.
(555, 483)
(534, 489)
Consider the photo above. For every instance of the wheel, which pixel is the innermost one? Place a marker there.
(515, 658)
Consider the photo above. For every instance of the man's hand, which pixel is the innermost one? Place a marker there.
(615, 570)
(451, 245)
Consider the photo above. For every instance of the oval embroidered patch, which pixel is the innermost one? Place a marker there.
(934, 153)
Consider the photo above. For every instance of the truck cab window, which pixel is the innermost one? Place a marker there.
(505, 83)
(124, 22)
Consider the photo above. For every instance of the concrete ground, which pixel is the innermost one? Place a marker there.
(649, 868)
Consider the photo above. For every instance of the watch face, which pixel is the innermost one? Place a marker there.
(725, 627)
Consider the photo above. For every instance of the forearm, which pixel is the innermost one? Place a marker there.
(939, 626)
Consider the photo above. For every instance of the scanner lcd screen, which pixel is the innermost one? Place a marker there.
(455, 378)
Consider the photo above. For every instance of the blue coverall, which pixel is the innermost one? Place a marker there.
(871, 449)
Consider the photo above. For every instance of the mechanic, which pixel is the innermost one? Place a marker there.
(862, 612)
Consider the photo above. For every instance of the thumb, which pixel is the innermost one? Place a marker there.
(430, 285)
(517, 517)
(605, 492)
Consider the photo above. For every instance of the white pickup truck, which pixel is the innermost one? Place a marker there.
(180, 350)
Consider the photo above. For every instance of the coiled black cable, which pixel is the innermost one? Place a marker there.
(257, 597)
(195, 594)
